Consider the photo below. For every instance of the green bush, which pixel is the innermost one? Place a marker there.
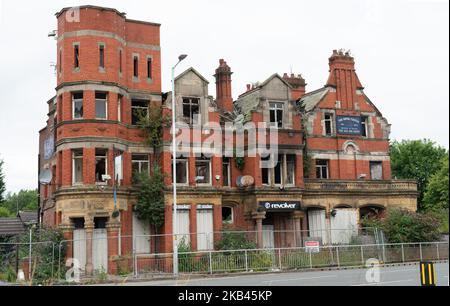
(234, 240)
(403, 226)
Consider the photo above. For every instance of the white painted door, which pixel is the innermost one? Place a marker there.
(100, 250)
(79, 247)
(141, 235)
(344, 226)
(205, 230)
(268, 237)
(318, 226)
(183, 227)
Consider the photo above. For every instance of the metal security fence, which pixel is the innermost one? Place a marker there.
(285, 259)
(36, 260)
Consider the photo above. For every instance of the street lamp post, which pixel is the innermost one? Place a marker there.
(174, 183)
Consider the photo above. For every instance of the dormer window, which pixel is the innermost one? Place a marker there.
(276, 115)
(191, 109)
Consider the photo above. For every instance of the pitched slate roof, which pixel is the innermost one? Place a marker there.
(11, 226)
(28, 216)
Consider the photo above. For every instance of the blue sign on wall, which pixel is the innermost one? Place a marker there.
(349, 125)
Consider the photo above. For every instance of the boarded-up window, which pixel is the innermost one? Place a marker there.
(376, 170)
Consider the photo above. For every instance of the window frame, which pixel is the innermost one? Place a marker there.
(101, 49)
(101, 100)
(77, 155)
(226, 165)
(365, 126)
(185, 161)
(322, 167)
(191, 118)
(294, 160)
(275, 107)
(75, 101)
(97, 157)
(330, 121)
(203, 159)
(140, 162)
(136, 66)
(147, 108)
(76, 56)
(232, 215)
(149, 68)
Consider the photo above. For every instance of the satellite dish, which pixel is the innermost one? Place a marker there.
(46, 177)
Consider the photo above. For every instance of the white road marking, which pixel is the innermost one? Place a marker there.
(385, 283)
(297, 279)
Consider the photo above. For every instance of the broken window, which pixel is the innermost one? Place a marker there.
(102, 56)
(140, 164)
(276, 115)
(365, 126)
(227, 215)
(265, 172)
(322, 169)
(136, 66)
(77, 167)
(191, 109)
(226, 172)
(100, 165)
(278, 171)
(101, 105)
(77, 105)
(203, 170)
(376, 170)
(290, 170)
(149, 68)
(139, 109)
(328, 124)
(182, 170)
(76, 63)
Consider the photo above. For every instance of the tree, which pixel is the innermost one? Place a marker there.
(24, 200)
(4, 212)
(436, 195)
(150, 204)
(2, 183)
(418, 160)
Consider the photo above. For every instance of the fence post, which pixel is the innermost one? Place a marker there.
(310, 259)
(246, 261)
(403, 253)
(437, 251)
(362, 255)
(135, 268)
(59, 260)
(337, 257)
(420, 248)
(53, 259)
(210, 263)
(279, 259)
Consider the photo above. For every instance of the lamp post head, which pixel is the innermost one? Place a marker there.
(182, 57)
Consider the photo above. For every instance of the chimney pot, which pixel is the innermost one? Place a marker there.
(249, 87)
(285, 76)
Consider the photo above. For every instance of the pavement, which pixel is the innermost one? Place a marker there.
(407, 275)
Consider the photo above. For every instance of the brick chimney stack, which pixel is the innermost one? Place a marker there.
(343, 77)
(223, 85)
(298, 84)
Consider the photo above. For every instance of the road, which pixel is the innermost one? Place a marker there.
(389, 276)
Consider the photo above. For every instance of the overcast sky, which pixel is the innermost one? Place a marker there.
(401, 50)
